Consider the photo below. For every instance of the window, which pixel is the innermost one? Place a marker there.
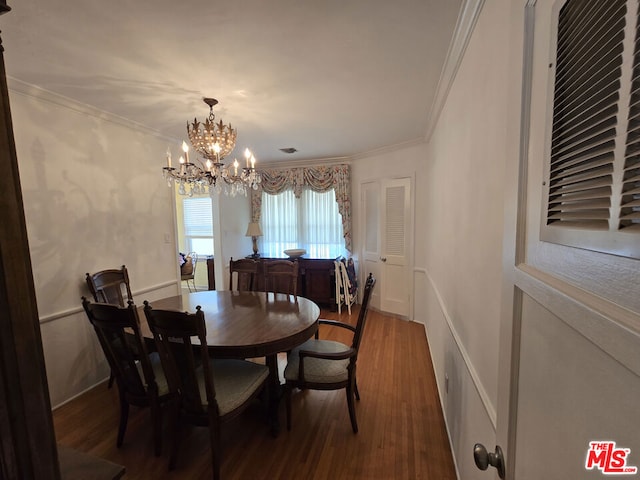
(198, 225)
(593, 172)
(311, 222)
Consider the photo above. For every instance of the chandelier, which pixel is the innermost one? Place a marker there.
(213, 141)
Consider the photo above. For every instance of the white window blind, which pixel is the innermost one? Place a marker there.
(198, 225)
(311, 222)
(593, 167)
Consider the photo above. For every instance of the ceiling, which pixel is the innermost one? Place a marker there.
(331, 78)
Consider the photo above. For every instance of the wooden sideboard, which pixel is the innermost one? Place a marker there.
(316, 279)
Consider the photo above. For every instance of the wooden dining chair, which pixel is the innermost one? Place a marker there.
(110, 286)
(246, 270)
(212, 391)
(281, 276)
(138, 374)
(188, 270)
(326, 364)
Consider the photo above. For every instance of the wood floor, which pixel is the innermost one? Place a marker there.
(402, 433)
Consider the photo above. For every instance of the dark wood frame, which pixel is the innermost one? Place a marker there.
(190, 407)
(106, 285)
(316, 279)
(27, 438)
(116, 325)
(247, 270)
(350, 353)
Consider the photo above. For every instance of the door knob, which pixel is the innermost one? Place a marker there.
(485, 459)
(384, 259)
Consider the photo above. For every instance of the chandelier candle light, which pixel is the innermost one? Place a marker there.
(214, 141)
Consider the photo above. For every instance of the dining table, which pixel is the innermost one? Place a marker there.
(248, 325)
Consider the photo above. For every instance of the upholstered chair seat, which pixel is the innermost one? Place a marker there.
(235, 382)
(156, 366)
(318, 370)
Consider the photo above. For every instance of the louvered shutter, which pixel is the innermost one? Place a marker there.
(630, 202)
(395, 221)
(586, 95)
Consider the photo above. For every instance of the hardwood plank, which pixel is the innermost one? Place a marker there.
(75, 465)
(402, 433)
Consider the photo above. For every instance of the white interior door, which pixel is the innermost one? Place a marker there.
(370, 192)
(569, 340)
(396, 238)
(387, 233)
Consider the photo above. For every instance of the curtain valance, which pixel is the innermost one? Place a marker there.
(319, 179)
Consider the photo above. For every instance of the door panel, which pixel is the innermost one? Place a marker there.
(396, 222)
(387, 232)
(566, 377)
(573, 392)
(371, 234)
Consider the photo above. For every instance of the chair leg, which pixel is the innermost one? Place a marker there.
(156, 421)
(352, 410)
(175, 433)
(355, 389)
(287, 401)
(216, 454)
(124, 417)
(111, 379)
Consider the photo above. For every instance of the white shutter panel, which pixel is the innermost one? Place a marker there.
(630, 202)
(394, 221)
(587, 85)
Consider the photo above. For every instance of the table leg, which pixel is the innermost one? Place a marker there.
(274, 393)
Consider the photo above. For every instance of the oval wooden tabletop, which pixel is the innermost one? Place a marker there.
(246, 324)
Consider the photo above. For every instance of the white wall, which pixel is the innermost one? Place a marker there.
(94, 199)
(463, 214)
(405, 161)
(232, 215)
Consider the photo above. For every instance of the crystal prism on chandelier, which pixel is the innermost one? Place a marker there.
(214, 141)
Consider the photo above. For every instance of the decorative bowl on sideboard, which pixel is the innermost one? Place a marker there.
(295, 252)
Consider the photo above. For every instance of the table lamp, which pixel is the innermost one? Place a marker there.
(253, 231)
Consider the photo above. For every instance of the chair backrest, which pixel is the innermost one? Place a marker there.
(364, 308)
(173, 333)
(114, 326)
(107, 286)
(246, 270)
(188, 269)
(281, 276)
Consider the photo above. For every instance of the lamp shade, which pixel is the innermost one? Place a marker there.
(253, 230)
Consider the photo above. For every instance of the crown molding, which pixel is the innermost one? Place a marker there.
(25, 89)
(389, 148)
(467, 19)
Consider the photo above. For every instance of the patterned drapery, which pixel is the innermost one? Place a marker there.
(319, 179)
